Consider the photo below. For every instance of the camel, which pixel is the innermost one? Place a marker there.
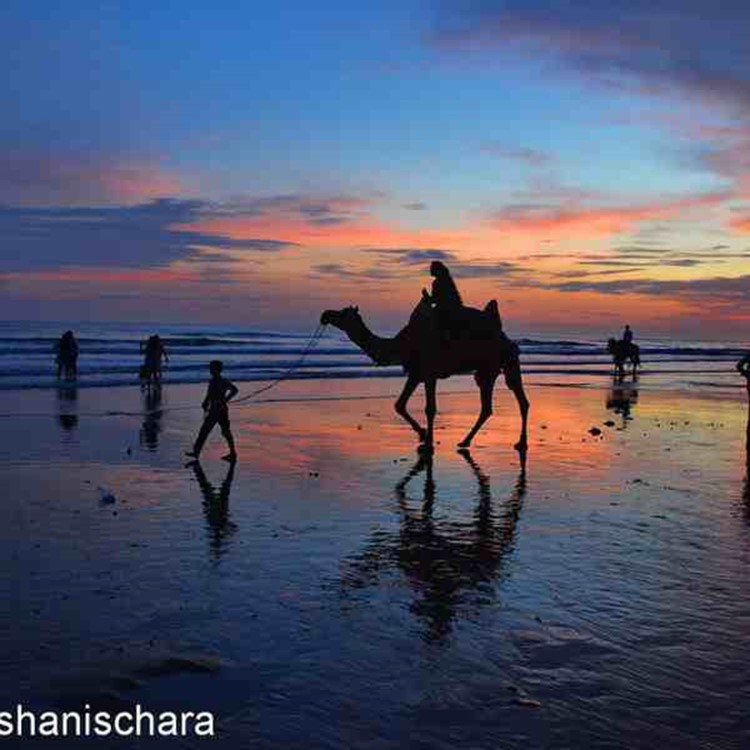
(622, 351)
(427, 357)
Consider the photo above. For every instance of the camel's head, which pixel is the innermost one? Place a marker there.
(343, 319)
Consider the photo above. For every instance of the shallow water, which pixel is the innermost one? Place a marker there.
(338, 591)
(110, 356)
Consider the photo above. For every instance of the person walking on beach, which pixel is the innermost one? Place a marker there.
(215, 405)
(66, 356)
(154, 354)
(743, 367)
(627, 335)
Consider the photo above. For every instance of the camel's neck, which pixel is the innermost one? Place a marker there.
(382, 351)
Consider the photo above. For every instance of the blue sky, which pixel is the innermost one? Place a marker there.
(491, 130)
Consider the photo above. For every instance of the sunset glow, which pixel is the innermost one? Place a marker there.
(581, 166)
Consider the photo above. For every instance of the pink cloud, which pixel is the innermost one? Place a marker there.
(53, 179)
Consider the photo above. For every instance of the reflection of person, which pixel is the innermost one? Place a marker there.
(215, 404)
(66, 356)
(627, 335)
(67, 397)
(216, 507)
(152, 415)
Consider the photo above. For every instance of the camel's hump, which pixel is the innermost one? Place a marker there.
(492, 310)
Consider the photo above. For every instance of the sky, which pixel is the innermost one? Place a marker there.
(585, 163)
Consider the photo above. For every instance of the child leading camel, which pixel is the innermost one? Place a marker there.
(215, 404)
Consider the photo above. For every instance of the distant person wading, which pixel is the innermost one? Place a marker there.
(743, 367)
(154, 352)
(66, 356)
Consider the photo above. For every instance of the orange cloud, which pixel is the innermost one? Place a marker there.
(741, 224)
(358, 232)
(573, 219)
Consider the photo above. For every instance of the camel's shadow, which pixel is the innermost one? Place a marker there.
(449, 564)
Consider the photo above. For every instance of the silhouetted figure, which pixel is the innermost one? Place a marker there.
(216, 508)
(66, 356)
(418, 348)
(152, 414)
(622, 351)
(67, 398)
(215, 404)
(627, 335)
(447, 562)
(154, 352)
(622, 397)
(445, 298)
(743, 367)
(746, 482)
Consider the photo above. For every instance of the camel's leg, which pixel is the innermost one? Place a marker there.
(430, 409)
(486, 389)
(409, 387)
(514, 381)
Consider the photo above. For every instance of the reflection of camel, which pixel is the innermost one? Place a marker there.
(67, 398)
(447, 563)
(622, 351)
(622, 397)
(483, 349)
(152, 414)
(216, 508)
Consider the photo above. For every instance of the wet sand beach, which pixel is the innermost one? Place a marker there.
(335, 590)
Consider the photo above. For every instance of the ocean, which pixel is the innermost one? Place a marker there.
(110, 356)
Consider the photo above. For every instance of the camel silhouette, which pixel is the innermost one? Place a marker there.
(622, 351)
(482, 349)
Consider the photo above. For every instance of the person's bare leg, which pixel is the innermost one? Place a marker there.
(208, 424)
(226, 431)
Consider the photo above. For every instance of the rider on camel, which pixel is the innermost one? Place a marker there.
(444, 298)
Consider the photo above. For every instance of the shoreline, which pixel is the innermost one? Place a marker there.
(348, 590)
